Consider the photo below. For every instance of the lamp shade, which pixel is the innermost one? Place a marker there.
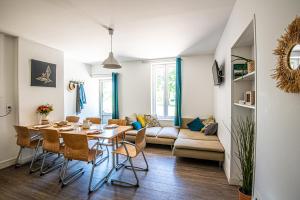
(111, 62)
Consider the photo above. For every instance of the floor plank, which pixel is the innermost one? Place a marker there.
(168, 178)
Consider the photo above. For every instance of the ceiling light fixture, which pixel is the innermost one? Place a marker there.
(111, 62)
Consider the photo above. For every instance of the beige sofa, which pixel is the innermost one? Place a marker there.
(194, 144)
(156, 135)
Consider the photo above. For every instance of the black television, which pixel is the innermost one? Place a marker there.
(217, 74)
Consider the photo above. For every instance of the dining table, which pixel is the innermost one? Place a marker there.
(99, 132)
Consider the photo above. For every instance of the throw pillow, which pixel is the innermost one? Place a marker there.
(211, 129)
(151, 121)
(208, 121)
(130, 119)
(141, 119)
(137, 125)
(195, 125)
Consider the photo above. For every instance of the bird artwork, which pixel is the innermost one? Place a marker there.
(45, 77)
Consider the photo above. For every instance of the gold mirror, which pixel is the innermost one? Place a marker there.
(287, 72)
(295, 57)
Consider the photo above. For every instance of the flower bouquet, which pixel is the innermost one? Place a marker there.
(44, 111)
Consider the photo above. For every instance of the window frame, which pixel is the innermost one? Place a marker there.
(166, 92)
(101, 113)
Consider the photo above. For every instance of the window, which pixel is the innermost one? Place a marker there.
(105, 100)
(163, 89)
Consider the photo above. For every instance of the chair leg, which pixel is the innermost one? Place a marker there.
(139, 168)
(34, 159)
(18, 158)
(99, 183)
(50, 168)
(127, 184)
(65, 180)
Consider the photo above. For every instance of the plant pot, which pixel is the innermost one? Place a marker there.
(243, 196)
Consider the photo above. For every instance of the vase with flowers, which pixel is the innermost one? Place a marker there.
(44, 111)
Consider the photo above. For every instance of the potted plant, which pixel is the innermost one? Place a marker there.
(44, 111)
(243, 135)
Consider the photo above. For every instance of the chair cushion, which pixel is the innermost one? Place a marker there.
(201, 145)
(196, 135)
(168, 132)
(152, 131)
(131, 132)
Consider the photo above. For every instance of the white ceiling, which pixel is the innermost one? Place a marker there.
(144, 29)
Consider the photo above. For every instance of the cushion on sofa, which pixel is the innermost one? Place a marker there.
(196, 125)
(131, 132)
(168, 132)
(200, 145)
(196, 135)
(152, 131)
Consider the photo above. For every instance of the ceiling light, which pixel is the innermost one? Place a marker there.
(111, 62)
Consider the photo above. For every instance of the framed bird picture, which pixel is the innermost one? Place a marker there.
(43, 74)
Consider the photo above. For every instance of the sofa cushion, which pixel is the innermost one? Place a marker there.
(168, 132)
(196, 135)
(152, 131)
(137, 125)
(196, 125)
(201, 145)
(131, 132)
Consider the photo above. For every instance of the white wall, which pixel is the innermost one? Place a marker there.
(8, 89)
(277, 148)
(75, 70)
(30, 97)
(135, 86)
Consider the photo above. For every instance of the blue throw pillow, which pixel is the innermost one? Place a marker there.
(137, 125)
(195, 125)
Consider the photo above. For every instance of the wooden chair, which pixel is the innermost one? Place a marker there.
(51, 144)
(27, 139)
(120, 122)
(94, 120)
(131, 151)
(73, 119)
(77, 148)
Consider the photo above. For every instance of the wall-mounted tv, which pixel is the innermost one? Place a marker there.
(217, 74)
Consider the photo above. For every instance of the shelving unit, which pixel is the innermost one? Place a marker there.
(243, 47)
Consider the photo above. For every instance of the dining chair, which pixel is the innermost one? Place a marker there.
(120, 122)
(77, 148)
(73, 119)
(27, 139)
(131, 151)
(94, 120)
(51, 145)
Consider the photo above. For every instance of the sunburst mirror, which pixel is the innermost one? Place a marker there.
(287, 72)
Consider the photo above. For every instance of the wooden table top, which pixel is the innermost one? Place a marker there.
(104, 132)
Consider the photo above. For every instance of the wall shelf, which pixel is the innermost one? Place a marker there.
(247, 77)
(245, 106)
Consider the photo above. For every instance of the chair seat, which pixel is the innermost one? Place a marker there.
(131, 150)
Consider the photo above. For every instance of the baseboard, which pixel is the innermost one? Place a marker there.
(12, 161)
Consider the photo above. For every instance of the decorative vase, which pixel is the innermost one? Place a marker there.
(44, 119)
(243, 196)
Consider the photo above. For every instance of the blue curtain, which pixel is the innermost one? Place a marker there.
(178, 120)
(115, 101)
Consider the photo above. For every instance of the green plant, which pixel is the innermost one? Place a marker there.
(243, 135)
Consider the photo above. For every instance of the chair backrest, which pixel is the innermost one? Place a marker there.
(140, 140)
(120, 122)
(94, 120)
(51, 141)
(73, 119)
(23, 136)
(76, 146)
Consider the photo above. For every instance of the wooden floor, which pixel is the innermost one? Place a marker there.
(168, 178)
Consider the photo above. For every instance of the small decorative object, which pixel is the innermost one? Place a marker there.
(86, 124)
(241, 69)
(44, 111)
(243, 137)
(251, 66)
(250, 97)
(242, 101)
(287, 72)
(43, 74)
